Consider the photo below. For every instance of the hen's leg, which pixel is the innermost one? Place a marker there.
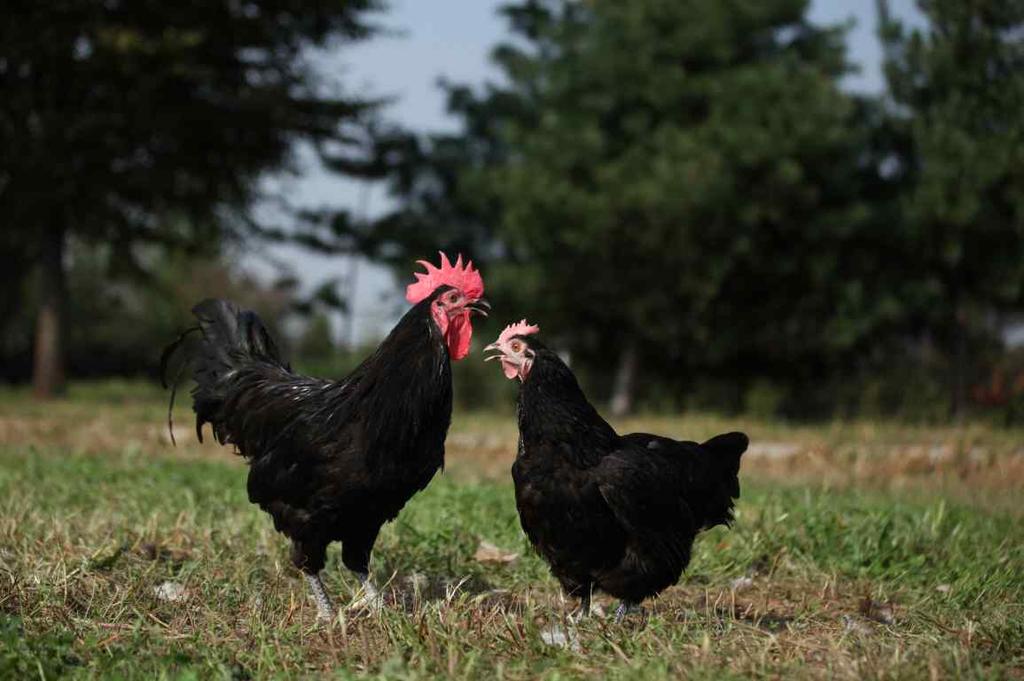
(584, 610)
(625, 608)
(324, 609)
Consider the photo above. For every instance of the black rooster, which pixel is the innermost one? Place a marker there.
(334, 460)
(609, 512)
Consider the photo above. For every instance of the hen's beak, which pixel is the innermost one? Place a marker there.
(480, 306)
(493, 347)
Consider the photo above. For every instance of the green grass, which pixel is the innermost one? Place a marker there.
(852, 580)
(86, 540)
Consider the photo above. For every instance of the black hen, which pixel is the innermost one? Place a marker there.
(609, 512)
(334, 460)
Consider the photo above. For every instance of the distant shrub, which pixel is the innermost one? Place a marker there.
(764, 399)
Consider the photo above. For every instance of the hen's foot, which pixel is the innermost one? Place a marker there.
(369, 598)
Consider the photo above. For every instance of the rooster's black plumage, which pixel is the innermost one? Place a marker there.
(330, 461)
(608, 512)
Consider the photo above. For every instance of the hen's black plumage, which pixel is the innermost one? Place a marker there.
(609, 512)
(329, 460)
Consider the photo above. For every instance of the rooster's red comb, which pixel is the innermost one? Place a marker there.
(463, 277)
(521, 328)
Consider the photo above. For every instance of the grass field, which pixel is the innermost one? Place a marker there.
(859, 551)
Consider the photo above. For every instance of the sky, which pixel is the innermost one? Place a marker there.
(452, 39)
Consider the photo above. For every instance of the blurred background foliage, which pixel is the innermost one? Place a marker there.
(680, 192)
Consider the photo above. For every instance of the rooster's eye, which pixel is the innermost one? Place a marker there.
(516, 347)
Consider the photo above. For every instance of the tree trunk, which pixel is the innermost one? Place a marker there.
(958, 397)
(48, 379)
(624, 389)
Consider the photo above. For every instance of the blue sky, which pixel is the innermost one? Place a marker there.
(453, 39)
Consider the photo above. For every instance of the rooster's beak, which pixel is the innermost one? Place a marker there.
(480, 306)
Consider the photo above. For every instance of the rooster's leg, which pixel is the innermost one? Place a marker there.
(625, 608)
(324, 609)
(355, 554)
(371, 598)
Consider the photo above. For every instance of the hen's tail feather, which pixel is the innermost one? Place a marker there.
(724, 452)
(165, 357)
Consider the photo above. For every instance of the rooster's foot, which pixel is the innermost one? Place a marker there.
(324, 609)
(626, 608)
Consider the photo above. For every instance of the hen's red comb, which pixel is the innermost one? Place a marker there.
(463, 277)
(521, 328)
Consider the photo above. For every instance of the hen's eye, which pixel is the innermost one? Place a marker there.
(516, 347)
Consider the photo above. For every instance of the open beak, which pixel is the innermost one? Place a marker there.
(493, 347)
(480, 306)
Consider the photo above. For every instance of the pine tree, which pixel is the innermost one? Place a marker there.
(672, 187)
(957, 90)
(128, 123)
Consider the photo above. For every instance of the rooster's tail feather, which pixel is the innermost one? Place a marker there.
(165, 358)
(230, 338)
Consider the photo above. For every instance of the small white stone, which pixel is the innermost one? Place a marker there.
(559, 638)
(172, 592)
(741, 583)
